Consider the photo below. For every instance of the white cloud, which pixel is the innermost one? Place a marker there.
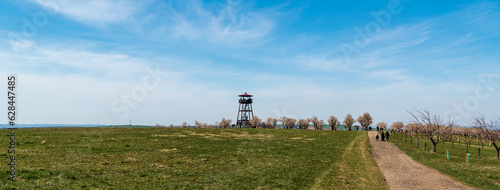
(231, 22)
(21, 45)
(395, 74)
(79, 61)
(386, 46)
(95, 62)
(95, 12)
(383, 49)
(322, 63)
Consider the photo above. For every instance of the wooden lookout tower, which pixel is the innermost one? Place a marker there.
(245, 112)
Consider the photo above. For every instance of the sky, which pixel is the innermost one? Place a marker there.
(168, 62)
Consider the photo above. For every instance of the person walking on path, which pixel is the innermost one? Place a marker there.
(383, 136)
(387, 135)
(376, 137)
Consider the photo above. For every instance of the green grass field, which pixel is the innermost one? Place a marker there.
(483, 172)
(163, 158)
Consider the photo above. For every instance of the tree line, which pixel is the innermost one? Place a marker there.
(436, 129)
(364, 120)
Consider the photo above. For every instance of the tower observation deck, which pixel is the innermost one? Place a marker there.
(245, 112)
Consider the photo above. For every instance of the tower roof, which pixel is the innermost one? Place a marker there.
(245, 95)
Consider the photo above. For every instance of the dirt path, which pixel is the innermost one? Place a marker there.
(402, 172)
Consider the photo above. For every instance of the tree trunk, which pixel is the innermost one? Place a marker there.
(497, 148)
(434, 144)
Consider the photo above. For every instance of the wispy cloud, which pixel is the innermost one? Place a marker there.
(228, 22)
(79, 61)
(395, 74)
(93, 52)
(321, 62)
(481, 16)
(95, 12)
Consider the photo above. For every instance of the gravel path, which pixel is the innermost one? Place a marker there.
(402, 172)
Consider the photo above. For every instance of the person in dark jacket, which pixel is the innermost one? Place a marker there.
(387, 135)
(383, 136)
(377, 137)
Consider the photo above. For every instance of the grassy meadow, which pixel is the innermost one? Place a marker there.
(483, 170)
(171, 158)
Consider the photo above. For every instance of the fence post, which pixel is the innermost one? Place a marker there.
(447, 155)
(479, 151)
(425, 146)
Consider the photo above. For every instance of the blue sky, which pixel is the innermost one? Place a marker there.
(156, 61)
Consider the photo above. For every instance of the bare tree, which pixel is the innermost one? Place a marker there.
(318, 124)
(184, 125)
(271, 123)
(432, 125)
(468, 137)
(290, 123)
(283, 122)
(255, 122)
(197, 124)
(382, 125)
(365, 120)
(416, 131)
(349, 121)
(412, 127)
(455, 134)
(274, 123)
(303, 123)
(267, 123)
(489, 130)
(481, 137)
(225, 123)
(418, 135)
(333, 122)
(397, 126)
(448, 135)
(171, 126)
(287, 122)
